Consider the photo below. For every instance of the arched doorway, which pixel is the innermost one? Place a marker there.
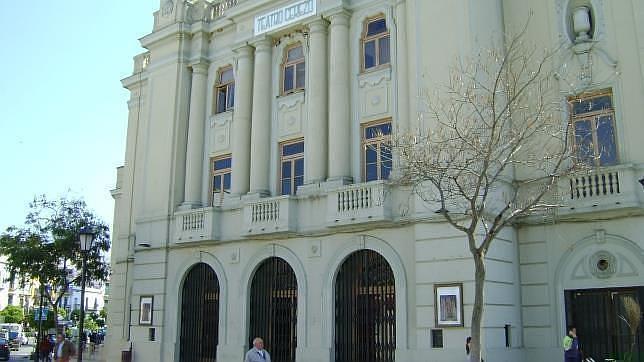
(365, 309)
(273, 308)
(200, 315)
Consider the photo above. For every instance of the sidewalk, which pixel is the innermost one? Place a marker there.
(96, 356)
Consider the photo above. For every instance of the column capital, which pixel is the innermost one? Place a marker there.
(262, 43)
(339, 17)
(244, 51)
(318, 25)
(200, 66)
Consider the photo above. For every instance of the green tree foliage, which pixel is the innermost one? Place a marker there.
(47, 248)
(13, 314)
(90, 323)
(46, 324)
(74, 316)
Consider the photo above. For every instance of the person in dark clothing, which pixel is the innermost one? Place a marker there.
(45, 349)
(571, 346)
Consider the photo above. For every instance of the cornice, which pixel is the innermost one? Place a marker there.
(170, 32)
(135, 80)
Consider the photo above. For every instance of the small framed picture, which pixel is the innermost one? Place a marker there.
(145, 314)
(449, 305)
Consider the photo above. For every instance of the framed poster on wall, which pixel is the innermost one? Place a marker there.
(145, 314)
(449, 305)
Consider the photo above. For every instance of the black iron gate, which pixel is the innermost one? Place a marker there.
(273, 309)
(365, 309)
(200, 315)
(601, 321)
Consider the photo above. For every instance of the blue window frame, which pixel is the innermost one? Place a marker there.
(375, 44)
(221, 173)
(376, 145)
(292, 166)
(593, 126)
(294, 70)
(225, 91)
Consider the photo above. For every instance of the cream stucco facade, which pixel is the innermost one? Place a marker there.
(165, 221)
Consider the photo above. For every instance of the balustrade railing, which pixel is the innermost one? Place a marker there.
(265, 211)
(367, 201)
(271, 215)
(601, 183)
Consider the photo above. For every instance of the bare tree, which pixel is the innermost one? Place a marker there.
(491, 151)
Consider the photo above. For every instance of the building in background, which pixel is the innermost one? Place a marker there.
(13, 292)
(253, 200)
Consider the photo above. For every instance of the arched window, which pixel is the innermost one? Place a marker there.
(225, 90)
(293, 70)
(375, 44)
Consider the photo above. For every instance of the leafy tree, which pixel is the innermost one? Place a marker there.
(49, 323)
(494, 152)
(74, 316)
(47, 248)
(13, 314)
(99, 318)
(90, 323)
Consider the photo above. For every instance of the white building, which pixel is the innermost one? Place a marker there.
(11, 290)
(249, 204)
(94, 298)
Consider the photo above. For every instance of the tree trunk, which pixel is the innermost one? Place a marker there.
(477, 312)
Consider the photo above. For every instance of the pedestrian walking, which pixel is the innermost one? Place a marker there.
(257, 353)
(63, 350)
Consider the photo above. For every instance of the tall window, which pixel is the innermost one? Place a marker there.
(292, 166)
(375, 44)
(294, 70)
(376, 146)
(221, 171)
(593, 126)
(225, 91)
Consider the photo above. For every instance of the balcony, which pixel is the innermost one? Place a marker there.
(359, 203)
(194, 225)
(612, 190)
(270, 216)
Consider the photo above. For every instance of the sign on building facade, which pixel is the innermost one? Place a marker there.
(284, 16)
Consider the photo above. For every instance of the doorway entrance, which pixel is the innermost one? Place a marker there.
(365, 309)
(602, 318)
(273, 309)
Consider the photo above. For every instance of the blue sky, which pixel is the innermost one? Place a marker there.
(63, 112)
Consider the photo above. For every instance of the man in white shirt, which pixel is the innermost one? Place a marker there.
(257, 353)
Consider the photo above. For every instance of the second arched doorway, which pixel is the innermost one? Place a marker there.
(365, 309)
(199, 315)
(273, 308)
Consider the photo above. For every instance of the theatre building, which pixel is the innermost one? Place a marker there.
(253, 200)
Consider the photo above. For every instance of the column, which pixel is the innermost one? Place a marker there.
(404, 103)
(261, 121)
(241, 120)
(194, 148)
(339, 99)
(315, 137)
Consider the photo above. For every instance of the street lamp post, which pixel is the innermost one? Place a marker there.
(43, 289)
(86, 239)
